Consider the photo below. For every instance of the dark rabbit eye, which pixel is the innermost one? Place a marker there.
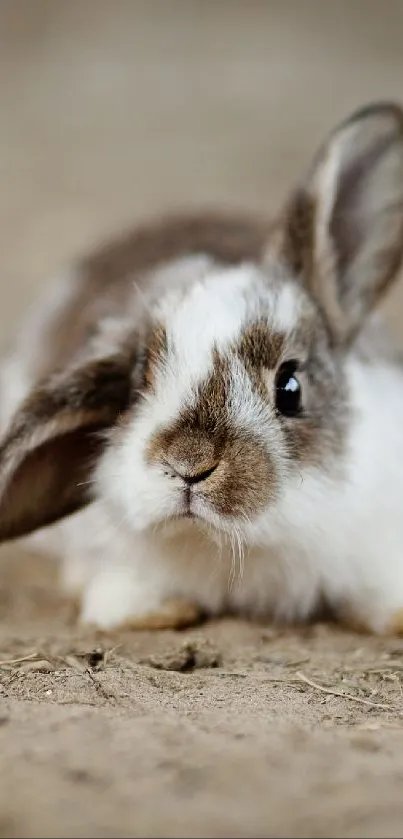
(288, 390)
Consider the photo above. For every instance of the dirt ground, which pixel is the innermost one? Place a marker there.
(111, 111)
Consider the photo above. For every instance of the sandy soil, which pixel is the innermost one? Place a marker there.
(213, 732)
(110, 111)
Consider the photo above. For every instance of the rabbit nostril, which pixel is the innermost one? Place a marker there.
(201, 476)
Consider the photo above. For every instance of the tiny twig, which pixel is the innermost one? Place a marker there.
(111, 652)
(380, 705)
(105, 692)
(8, 661)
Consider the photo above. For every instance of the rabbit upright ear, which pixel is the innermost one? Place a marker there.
(342, 231)
(53, 439)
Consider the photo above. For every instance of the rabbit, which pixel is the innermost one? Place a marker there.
(205, 416)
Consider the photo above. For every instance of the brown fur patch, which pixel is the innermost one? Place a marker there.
(203, 438)
(175, 613)
(363, 627)
(156, 352)
(320, 428)
(245, 481)
(48, 455)
(319, 432)
(210, 411)
(355, 624)
(228, 237)
(198, 437)
(292, 239)
(260, 347)
(106, 276)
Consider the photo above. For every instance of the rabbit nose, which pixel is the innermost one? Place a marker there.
(192, 458)
(190, 473)
(199, 476)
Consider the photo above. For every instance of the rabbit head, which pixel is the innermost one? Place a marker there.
(228, 381)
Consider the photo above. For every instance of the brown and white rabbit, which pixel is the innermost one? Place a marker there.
(218, 388)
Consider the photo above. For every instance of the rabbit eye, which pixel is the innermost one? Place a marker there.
(288, 390)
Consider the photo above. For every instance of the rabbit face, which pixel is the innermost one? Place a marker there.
(239, 391)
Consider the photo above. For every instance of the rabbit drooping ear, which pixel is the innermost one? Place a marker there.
(53, 439)
(342, 231)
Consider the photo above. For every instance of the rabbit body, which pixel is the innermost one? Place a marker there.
(222, 394)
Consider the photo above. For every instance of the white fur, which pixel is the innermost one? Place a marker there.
(286, 308)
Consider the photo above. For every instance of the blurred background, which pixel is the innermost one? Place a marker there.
(113, 109)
